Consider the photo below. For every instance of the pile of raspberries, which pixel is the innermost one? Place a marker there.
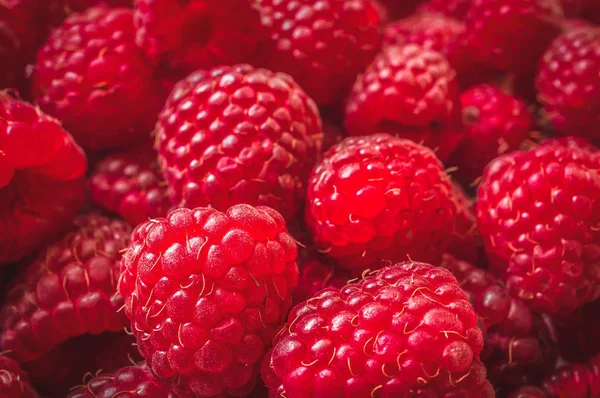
(300, 198)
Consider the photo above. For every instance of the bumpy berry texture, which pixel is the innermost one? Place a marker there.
(377, 199)
(206, 291)
(131, 185)
(41, 178)
(408, 330)
(568, 84)
(574, 381)
(14, 382)
(465, 242)
(538, 213)
(453, 8)
(91, 76)
(56, 11)
(322, 44)
(317, 274)
(411, 92)
(182, 36)
(578, 333)
(494, 123)
(67, 291)
(511, 35)
(128, 382)
(238, 135)
(518, 347)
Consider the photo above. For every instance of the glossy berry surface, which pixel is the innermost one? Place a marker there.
(56, 11)
(14, 383)
(574, 381)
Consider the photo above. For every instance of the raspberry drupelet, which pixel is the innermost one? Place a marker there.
(408, 330)
(56, 11)
(205, 292)
(238, 135)
(14, 382)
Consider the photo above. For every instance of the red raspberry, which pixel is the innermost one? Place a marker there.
(578, 333)
(67, 291)
(322, 44)
(572, 8)
(238, 135)
(511, 35)
(411, 92)
(575, 381)
(56, 11)
(538, 213)
(182, 36)
(494, 123)
(131, 185)
(41, 178)
(591, 11)
(129, 381)
(465, 242)
(406, 331)
(528, 392)
(568, 84)
(317, 274)
(206, 291)
(518, 346)
(400, 9)
(14, 383)
(379, 198)
(453, 8)
(91, 75)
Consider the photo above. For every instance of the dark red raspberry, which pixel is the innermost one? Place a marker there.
(67, 291)
(578, 333)
(453, 8)
(511, 35)
(378, 199)
(317, 274)
(568, 84)
(333, 134)
(518, 346)
(206, 292)
(406, 331)
(14, 382)
(411, 92)
(575, 381)
(56, 11)
(494, 123)
(322, 44)
(572, 8)
(127, 382)
(92, 77)
(538, 213)
(131, 185)
(465, 242)
(591, 11)
(41, 178)
(528, 392)
(400, 9)
(238, 135)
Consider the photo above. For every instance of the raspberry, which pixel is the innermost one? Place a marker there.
(453, 8)
(518, 346)
(578, 333)
(205, 292)
(494, 123)
(511, 35)
(538, 213)
(406, 331)
(131, 185)
(572, 8)
(238, 135)
(320, 41)
(67, 291)
(129, 381)
(317, 274)
(14, 383)
(575, 381)
(400, 9)
(465, 242)
(528, 392)
(91, 75)
(409, 91)
(56, 11)
(41, 178)
(380, 198)
(568, 84)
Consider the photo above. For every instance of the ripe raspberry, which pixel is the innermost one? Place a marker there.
(568, 84)
(465, 242)
(411, 92)
(575, 381)
(406, 331)
(511, 35)
(518, 347)
(56, 11)
(538, 213)
(578, 333)
(67, 291)
(379, 198)
(183, 36)
(91, 75)
(14, 383)
(41, 178)
(238, 135)
(453, 8)
(400, 9)
(494, 123)
(205, 292)
(129, 381)
(322, 44)
(317, 274)
(130, 184)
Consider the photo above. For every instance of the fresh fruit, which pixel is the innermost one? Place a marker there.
(56, 11)
(41, 178)
(411, 92)
(131, 185)
(92, 77)
(453, 8)
(399, 9)
(568, 84)
(377, 199)
(322, 44)
(465, 242)
(494, 123)
(238, 135)
(578, 333)
(575, 381)
(406, 331)
(538, 213)
(528, 392)
(205, 292)
(317, 274)
(14, 383)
